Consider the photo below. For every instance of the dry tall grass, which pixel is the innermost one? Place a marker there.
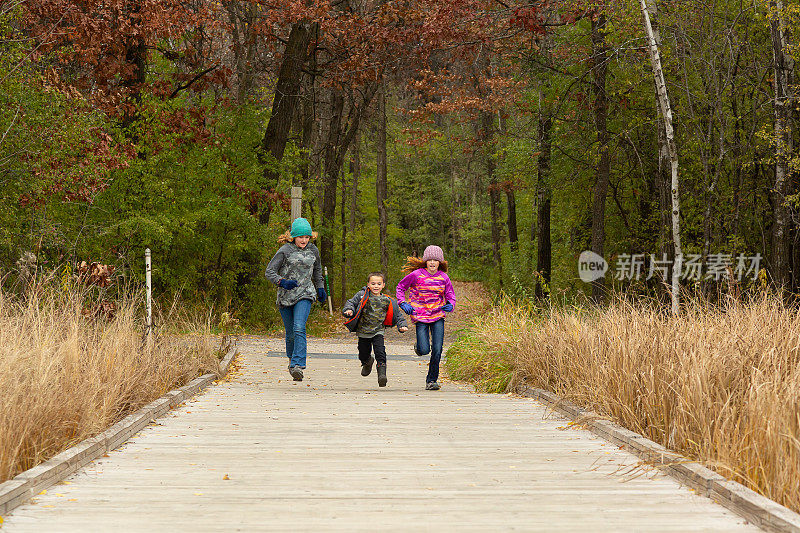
(64, 377)
(719, 385)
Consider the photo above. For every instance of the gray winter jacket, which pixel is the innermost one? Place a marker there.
(302, 265)
(356, 304)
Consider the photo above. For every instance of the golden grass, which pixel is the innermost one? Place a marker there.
(64, 377)
(719, 385)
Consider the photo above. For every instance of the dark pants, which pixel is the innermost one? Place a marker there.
(366, 346)
(430, 338)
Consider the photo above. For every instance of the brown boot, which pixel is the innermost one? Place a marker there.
(366, 368)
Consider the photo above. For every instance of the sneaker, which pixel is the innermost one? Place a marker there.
(382, 376)
(297, 373)
(366, 368)
(432, 385)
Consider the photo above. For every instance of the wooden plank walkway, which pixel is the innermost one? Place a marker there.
(336, 453)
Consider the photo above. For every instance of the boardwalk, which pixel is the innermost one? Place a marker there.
(336, 453)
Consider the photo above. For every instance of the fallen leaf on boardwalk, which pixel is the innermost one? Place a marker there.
(1, 520)
(72, 500)
(198, 493)
(43, 493)
(59, 495)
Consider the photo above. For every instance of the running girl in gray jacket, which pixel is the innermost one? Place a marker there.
(297, 271)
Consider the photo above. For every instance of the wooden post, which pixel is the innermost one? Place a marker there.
(297, 199)
(328, 288)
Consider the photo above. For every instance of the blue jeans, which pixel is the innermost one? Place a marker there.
(434, 330)
(294, 322)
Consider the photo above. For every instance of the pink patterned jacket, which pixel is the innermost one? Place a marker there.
(427, 293)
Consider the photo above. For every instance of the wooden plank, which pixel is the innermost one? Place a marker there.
(336, 452)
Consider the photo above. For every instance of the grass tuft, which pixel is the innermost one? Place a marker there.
(65, 377)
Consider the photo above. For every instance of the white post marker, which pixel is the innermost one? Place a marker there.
(149, 284)
(328, 289)
(297, 202)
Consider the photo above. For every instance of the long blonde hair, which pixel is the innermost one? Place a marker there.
(287, 237)
(413, 263)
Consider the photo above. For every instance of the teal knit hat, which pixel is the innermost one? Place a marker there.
(300, 227)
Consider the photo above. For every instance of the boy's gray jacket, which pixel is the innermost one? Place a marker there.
(394, 317)
(302, 265)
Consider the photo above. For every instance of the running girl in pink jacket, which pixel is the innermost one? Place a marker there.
(430, 297)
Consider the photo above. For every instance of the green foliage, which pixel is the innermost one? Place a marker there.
(184, 178)
(184, 202)
(55, 153)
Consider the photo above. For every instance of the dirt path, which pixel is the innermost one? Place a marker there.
(471, 299)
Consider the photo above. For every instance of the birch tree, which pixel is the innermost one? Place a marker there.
(666, 112)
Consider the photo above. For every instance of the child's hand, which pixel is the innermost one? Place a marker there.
(447, 308)
(287, 284)
(347, 312)
(402, 329)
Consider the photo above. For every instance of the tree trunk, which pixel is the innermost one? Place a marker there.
(455, 206)
(331, 174)
(662, 178)
(511, 196)
(136, 55)
(511, 204)
(380, 177)
(486, 134)
(241, 16)
(284, 104)
(666, 110)
(308, 110)
(343, 262)
(341, 132)
(603, 171)
(738, 181)
(783, 65)
(543, 199)
(355, 172)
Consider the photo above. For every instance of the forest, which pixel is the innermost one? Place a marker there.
(515, 135)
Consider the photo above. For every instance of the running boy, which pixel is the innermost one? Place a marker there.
(370, 312)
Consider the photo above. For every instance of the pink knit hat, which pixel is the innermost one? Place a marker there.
(433, 253)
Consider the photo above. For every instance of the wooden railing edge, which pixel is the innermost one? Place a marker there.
(759, 510)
